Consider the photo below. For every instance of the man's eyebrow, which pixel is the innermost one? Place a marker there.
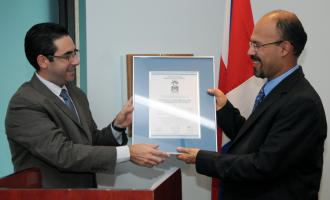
(254, 41)
(69, 52)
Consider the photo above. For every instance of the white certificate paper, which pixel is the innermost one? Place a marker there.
(174, 110)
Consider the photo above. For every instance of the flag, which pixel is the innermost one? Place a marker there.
(236, 77)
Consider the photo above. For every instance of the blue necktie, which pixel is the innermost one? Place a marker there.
(67, 100)
(259, 98)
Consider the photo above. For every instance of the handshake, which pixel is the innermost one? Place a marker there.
(149, 155)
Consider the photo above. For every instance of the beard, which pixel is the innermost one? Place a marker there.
(258, 72)
(61, 75)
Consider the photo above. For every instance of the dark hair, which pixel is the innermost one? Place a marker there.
(292, 30)
(40, 40)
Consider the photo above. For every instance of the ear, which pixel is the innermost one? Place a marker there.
(286, 48)
(43, 61)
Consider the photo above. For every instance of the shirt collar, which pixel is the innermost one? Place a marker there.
(51, 86)
(270, 85)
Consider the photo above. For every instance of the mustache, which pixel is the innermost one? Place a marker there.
(255, 58)
(72, 68)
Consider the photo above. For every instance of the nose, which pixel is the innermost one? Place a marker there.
(251, 51)
(75, 60)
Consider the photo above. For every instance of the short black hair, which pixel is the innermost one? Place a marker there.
(40, 40)
(292, 30)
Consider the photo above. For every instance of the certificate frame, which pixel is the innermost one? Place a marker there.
(204, 66)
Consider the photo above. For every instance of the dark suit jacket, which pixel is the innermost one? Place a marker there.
(277, 153)
(42, 132)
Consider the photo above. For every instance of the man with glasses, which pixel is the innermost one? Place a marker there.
(277, 152)
(49, 124)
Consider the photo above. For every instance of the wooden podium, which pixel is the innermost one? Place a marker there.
(168, 188)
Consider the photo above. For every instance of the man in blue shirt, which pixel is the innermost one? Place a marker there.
(277, 152)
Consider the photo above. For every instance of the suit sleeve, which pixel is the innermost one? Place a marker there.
(230, 120)
(295, 138)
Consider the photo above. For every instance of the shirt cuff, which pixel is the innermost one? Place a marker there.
(118, 135)
(123, 154)
(117, 128)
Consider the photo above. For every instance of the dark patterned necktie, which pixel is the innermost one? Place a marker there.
(259, 98)
(67, 100)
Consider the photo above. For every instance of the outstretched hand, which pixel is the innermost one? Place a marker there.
(188, 155)
(147, 155)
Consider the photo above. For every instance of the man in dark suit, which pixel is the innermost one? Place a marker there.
(277, 152)
(49, 124)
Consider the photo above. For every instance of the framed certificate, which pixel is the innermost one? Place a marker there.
(171, 104)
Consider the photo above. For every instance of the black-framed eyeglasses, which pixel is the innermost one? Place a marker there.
(69, 56)
(256, 46)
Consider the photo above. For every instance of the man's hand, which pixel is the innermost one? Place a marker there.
(220, 97)
(124, 117)
(147, 155)
(188, 155)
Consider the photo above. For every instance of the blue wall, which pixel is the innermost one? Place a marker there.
(16, 17)
(83, 45)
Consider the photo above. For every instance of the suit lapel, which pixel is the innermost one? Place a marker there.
(258, 113)
(274, 96)
(81, 112)
(41, 88)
